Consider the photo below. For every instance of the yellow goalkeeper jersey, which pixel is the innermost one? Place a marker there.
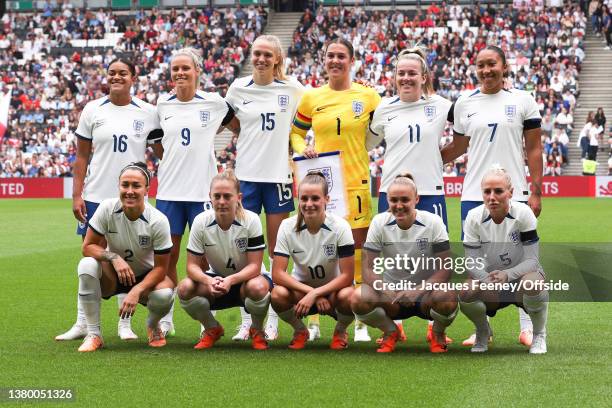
(339, 120)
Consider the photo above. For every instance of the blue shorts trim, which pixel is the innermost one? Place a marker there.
(181, 213)
(435, 204)
(256, 195)
(232, 298)
(91, 208)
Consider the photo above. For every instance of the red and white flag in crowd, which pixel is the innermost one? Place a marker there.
(5, 102)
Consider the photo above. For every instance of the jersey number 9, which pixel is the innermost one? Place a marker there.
(186, 136)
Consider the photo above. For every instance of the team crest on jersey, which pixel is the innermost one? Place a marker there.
(241, 244)
(144, 241)
(327, 172)
(329, 250)
(204, 116)
(515, 237)
(357, 108)
(283, 102)
(138, 126)
(510, 111)
(422, 244)
(430, 112)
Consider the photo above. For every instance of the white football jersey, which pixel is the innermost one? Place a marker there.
(189, 161)
(495, 124)
(134, 241)
(315, 257)
(225, 251)
(412, 131)
(501, 244)
(266, 115)
(119, 136)
(426, 237)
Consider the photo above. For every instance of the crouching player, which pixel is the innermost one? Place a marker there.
(135, 260)
(229, 239)
(322, 249)
(408, 233)
(503, 234)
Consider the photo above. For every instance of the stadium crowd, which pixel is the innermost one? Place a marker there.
(543, 45)
(52, 82)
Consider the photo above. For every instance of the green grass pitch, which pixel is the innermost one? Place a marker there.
(38, 257)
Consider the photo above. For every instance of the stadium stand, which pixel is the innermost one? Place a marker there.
(55, 59)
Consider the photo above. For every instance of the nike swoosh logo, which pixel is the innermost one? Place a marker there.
(112, 232)
(391, 118)
(296, 252)
(387, 243)
(359, 218)
(246, 102)
(168, 117)
(320, 108)
(285, 203)
(207, 245)
(471, 114)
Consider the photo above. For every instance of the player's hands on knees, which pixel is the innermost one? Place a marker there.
(303, 306)
(323, 306)
(220, 286)
(124, 272)
(79, 209)
(498, 277)
(128, 307)
(310, 153)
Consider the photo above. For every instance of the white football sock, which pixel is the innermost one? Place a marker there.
(198, 308)
(343, 321)
(81, 319)
(525, 320)
(378, 318)
(440, 321)
(537, 306)
(246, 318)
(167, 318)
(159, 303)
(477, 312)
(289, 317)
(258, 309)
(90, 293)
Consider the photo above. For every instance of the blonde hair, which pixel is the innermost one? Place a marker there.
(417, 54)
(279, 68)
(405, 179)
(498, 170)
(228, 175)
(316, 178)
(195, 57)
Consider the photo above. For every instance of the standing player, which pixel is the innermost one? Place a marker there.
(117, 128)
(339, 113)
(412, 124)
(494, 122)
(265, 104)
(229, 240)
(126, 250)
(503, 233)
(190, 120)
(406, 231)
(322, 248)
